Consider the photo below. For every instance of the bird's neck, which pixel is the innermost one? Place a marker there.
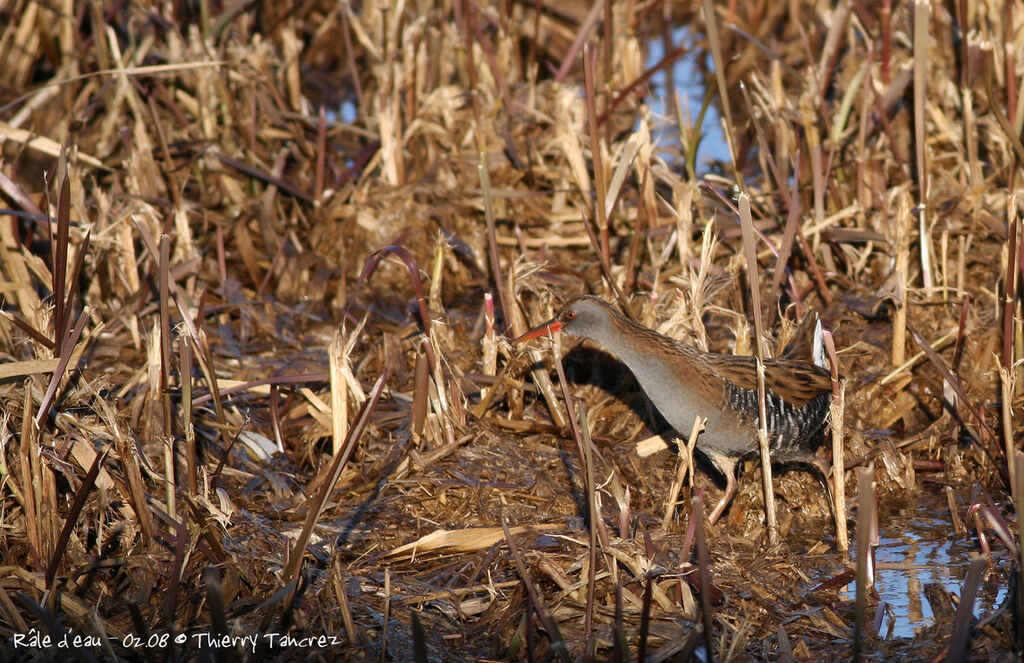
(639, 347)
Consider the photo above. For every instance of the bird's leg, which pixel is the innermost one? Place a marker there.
(826, 478)
(730, 491)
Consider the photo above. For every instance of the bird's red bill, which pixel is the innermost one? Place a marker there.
(543, 330)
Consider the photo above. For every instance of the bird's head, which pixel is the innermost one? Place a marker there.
(585, 316)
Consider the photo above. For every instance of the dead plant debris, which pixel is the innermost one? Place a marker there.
(259, 267)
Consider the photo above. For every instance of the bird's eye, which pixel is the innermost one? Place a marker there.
(571, 314)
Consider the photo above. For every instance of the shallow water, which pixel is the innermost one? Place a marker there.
(917, 546)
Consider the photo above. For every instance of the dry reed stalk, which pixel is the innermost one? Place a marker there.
(204, 355)
(704, 573)
(31, 477)
(944, 260)
(690, 133)
(439, 398)
(593, 516)
(71, 520)
(316, 504)
(1018, 504)
(939, 344)
(836, 419)
(624, 157)
(1009, 69)
(581, 434)
(866, 540)
(1007, 383)
(596, 155)
(620, 645)
(621, 495)
(386, 617)
(922, 44)
(240, 222)
(788, 236)
(753, 281)
(67, 355)
(420, 398)
(715, 44)
(606, 272)
(1010, 285)
(489, 343)
(682, 201)
(954, 513)
(187, 420)
(44, 145)
(550, 625)
(7, 477)
(341, 594)
(472, 539)
(901, 244)
(163, 384)
(493, 254)
(698, 286)
(984, 434)
(339, 401)
(683, 463)
(59, 245)
(814, 158)
(960, 637)
(645, 617)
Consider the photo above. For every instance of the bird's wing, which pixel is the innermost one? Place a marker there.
(795, 382)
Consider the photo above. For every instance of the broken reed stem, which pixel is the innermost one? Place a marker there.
(899, 319)
(489, 363)
(497, 279)
(71, 520)
(645, 617)
(441, 403)
(339, 404)
(683, 463)
(965, 610)
(747, 225)
(865, 563)
(437, 270)
(836, 415)
(922, 42)
(1010, 284)
(766, 459)
(187, 424)
(1018, 501)
(600, 186)
(581, 433)
(683, 198)
(550, 625)
(341, 593)
(789, 234)
(387, 615)
(939, 344)
(316, 503)
(1018, 339)
(592, 515)
(1006, 383)
(164, 393)
(704, 571)
(59, 245)
(66, 354)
